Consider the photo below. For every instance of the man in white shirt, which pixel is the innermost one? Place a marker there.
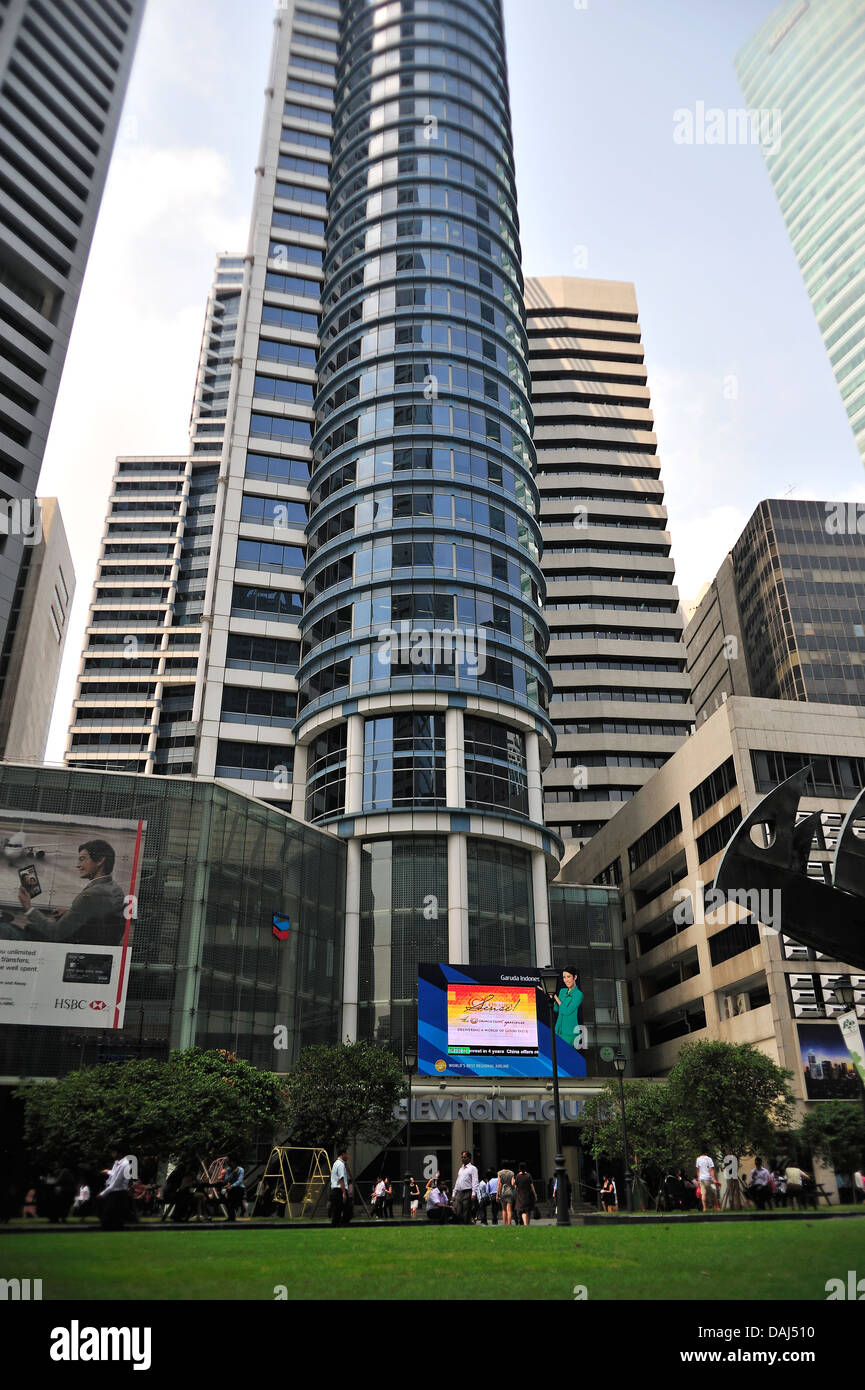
(493, 1190)
(379, 1193)
(706, 1179)
(438, 1208)
(341, 1204)
(81, 1205)
(114, 1197)
(465, 1189)
(758, 1184)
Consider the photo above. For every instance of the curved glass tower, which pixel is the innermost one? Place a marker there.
(422, 689)
(804, 67)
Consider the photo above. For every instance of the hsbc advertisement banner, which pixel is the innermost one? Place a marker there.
(68, 912)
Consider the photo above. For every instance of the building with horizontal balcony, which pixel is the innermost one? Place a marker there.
(695, 974)
(620, 702)
(134, 706)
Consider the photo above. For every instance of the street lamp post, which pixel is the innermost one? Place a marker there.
(619, 1063)
(549, 984)
(410, 1062)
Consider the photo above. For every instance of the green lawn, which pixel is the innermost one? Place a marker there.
(754, 1260)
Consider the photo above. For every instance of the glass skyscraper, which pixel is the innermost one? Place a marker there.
(400, 509)
(806, 63)
(64, 70)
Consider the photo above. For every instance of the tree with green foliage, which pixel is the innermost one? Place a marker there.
(656, 1136)
(834, 1131)
(729, 1097)
(194, 1105)
(344, 1092)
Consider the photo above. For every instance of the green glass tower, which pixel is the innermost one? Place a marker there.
(806, 63)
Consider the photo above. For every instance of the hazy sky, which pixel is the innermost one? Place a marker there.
(745, 402)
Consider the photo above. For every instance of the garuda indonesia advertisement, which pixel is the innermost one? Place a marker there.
(491, 1021)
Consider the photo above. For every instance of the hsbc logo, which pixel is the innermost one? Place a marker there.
(80, 1004)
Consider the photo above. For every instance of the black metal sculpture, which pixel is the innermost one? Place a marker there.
(829, 917)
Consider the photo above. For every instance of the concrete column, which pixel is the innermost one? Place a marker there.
(548, 1158)
(298, 781)
(489, 1157)
(354, 765)
(455, 763)
(461, 1138)
(351, 950)
(458, 900)
(533, 778)
(541, 904)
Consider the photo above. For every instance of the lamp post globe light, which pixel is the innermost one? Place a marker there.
(619, 1062)
(410, 1063)
(549, 984)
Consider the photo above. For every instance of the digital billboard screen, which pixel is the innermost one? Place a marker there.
(495, 1021)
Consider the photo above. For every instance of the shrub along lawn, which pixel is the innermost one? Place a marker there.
(754, 1260)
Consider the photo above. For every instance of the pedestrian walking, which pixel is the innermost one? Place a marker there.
(465, 1190)
(493, 1190)
(235, 1191)
(341, 1190)
(705, 1170)
(113, 1200)
(526, 1196)
(506, 1194)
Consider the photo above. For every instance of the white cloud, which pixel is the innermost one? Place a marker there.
(130, 371)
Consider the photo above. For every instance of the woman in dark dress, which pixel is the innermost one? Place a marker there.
(526, 1198)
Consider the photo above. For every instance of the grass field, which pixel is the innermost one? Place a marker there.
(754, 1260)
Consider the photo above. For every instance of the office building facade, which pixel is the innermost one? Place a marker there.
(46, 595)
(64, 69)
(136, 692)
(207, 969)
(620, 700)
(693, 973)
(393, 530)
(803, 68)
(785, 617)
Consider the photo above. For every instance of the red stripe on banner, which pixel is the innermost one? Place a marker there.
(122, 973)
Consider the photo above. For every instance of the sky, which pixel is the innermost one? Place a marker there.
(745, 402)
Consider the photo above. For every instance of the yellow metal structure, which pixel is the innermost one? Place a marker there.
(298, 1181)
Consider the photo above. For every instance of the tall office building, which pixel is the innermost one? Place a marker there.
(620, 700)
(399, 541)
(64, 69)
(784, 619)
(133, 708)
(804, 68)
(700, 971)
(40, 635)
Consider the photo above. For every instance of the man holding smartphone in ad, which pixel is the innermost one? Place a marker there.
(96, 916)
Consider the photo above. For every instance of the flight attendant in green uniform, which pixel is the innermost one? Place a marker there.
(568, 1002)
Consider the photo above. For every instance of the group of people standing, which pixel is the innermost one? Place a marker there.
(480, 1199)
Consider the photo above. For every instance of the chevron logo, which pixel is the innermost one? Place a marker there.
(281, 926)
